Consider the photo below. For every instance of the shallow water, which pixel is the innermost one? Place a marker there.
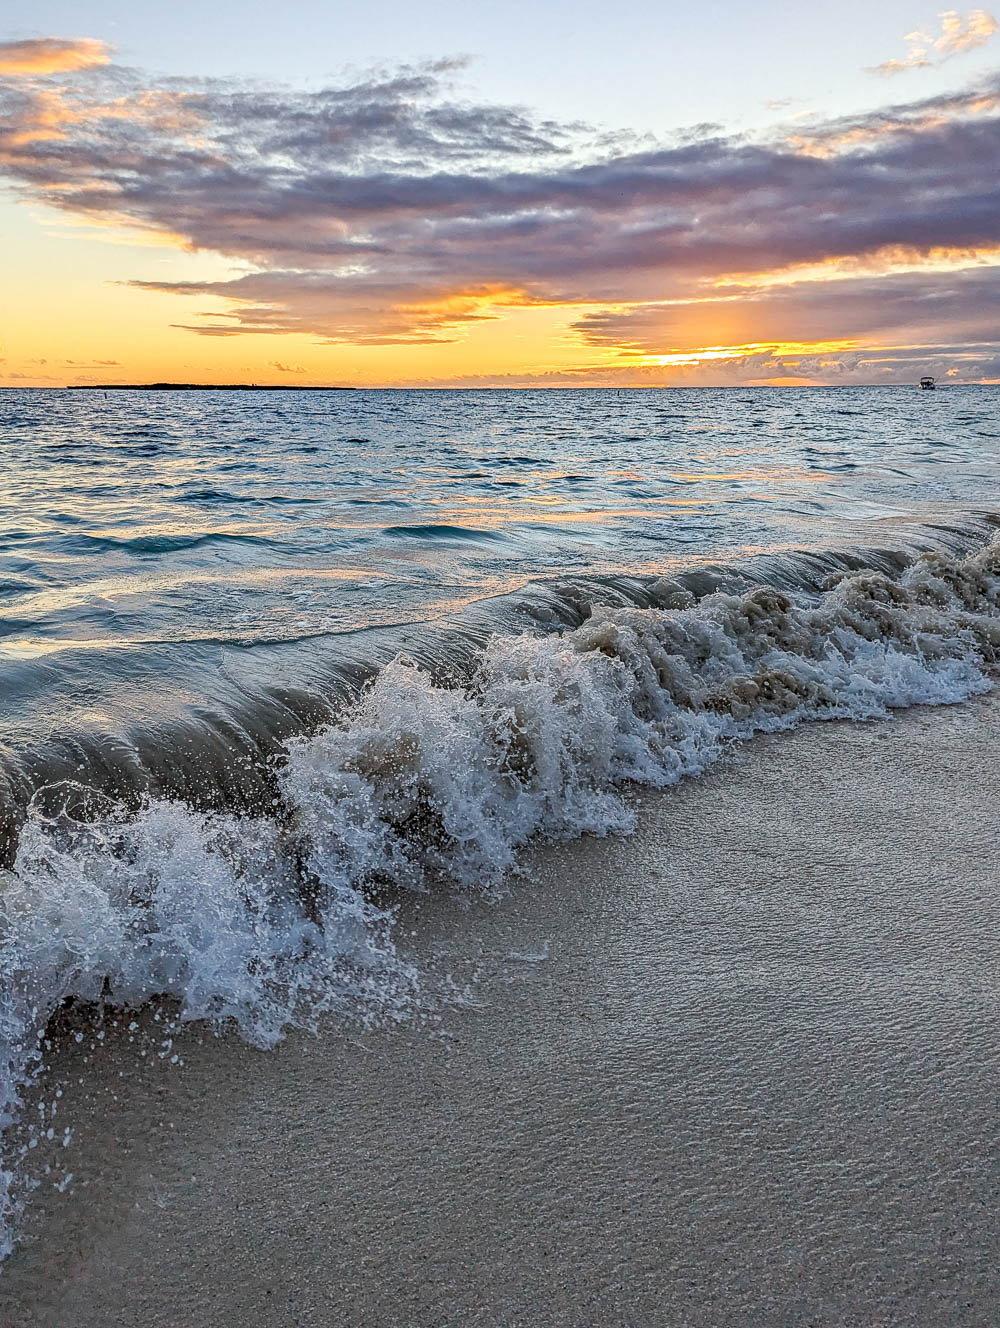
(196, 571)
(264, 656)
(136, 519)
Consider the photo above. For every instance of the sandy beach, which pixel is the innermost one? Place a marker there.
(737, 1069)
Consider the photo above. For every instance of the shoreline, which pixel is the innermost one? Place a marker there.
(736, 1068)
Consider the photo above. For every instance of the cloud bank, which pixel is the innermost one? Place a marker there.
(389, 210)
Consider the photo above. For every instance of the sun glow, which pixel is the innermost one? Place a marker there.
(778, 351)
(883, 262)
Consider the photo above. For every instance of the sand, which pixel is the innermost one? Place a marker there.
(739, 1068)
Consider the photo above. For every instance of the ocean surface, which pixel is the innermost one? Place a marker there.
(268, 658)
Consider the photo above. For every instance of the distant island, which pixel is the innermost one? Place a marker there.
(202, 387)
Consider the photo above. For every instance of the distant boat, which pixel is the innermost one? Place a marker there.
(927, 383)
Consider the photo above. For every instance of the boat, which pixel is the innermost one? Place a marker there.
(927, 383)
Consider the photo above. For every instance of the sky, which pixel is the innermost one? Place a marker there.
(514, 194)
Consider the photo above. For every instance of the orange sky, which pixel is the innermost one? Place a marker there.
(71, 318)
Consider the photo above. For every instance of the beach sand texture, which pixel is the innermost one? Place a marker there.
(737, 1069)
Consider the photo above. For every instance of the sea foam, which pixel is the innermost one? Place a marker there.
(269, 921)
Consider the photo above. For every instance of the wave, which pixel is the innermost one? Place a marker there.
(442, 531)
(270, 919)
(225, 497)
(154, 544)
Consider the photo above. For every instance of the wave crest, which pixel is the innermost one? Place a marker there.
(269, 920)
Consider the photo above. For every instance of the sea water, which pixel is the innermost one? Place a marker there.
(268, 658)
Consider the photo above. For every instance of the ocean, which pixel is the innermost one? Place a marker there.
(268, 660)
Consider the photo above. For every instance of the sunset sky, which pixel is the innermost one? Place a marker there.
(519, 194)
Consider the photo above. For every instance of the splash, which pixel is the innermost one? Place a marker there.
(269, 921)
(208, 910)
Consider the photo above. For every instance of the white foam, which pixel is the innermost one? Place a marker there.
(266, 922)
(172, 902)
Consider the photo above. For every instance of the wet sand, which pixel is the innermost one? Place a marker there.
(739, 1069)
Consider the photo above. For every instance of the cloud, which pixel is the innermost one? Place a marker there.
(957, 35)
(749, 366)
(51, 55)
(286, 368)
(389, 210)
(960, 306)
(336, 309)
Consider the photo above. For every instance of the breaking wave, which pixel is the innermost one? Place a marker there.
(270, 920)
